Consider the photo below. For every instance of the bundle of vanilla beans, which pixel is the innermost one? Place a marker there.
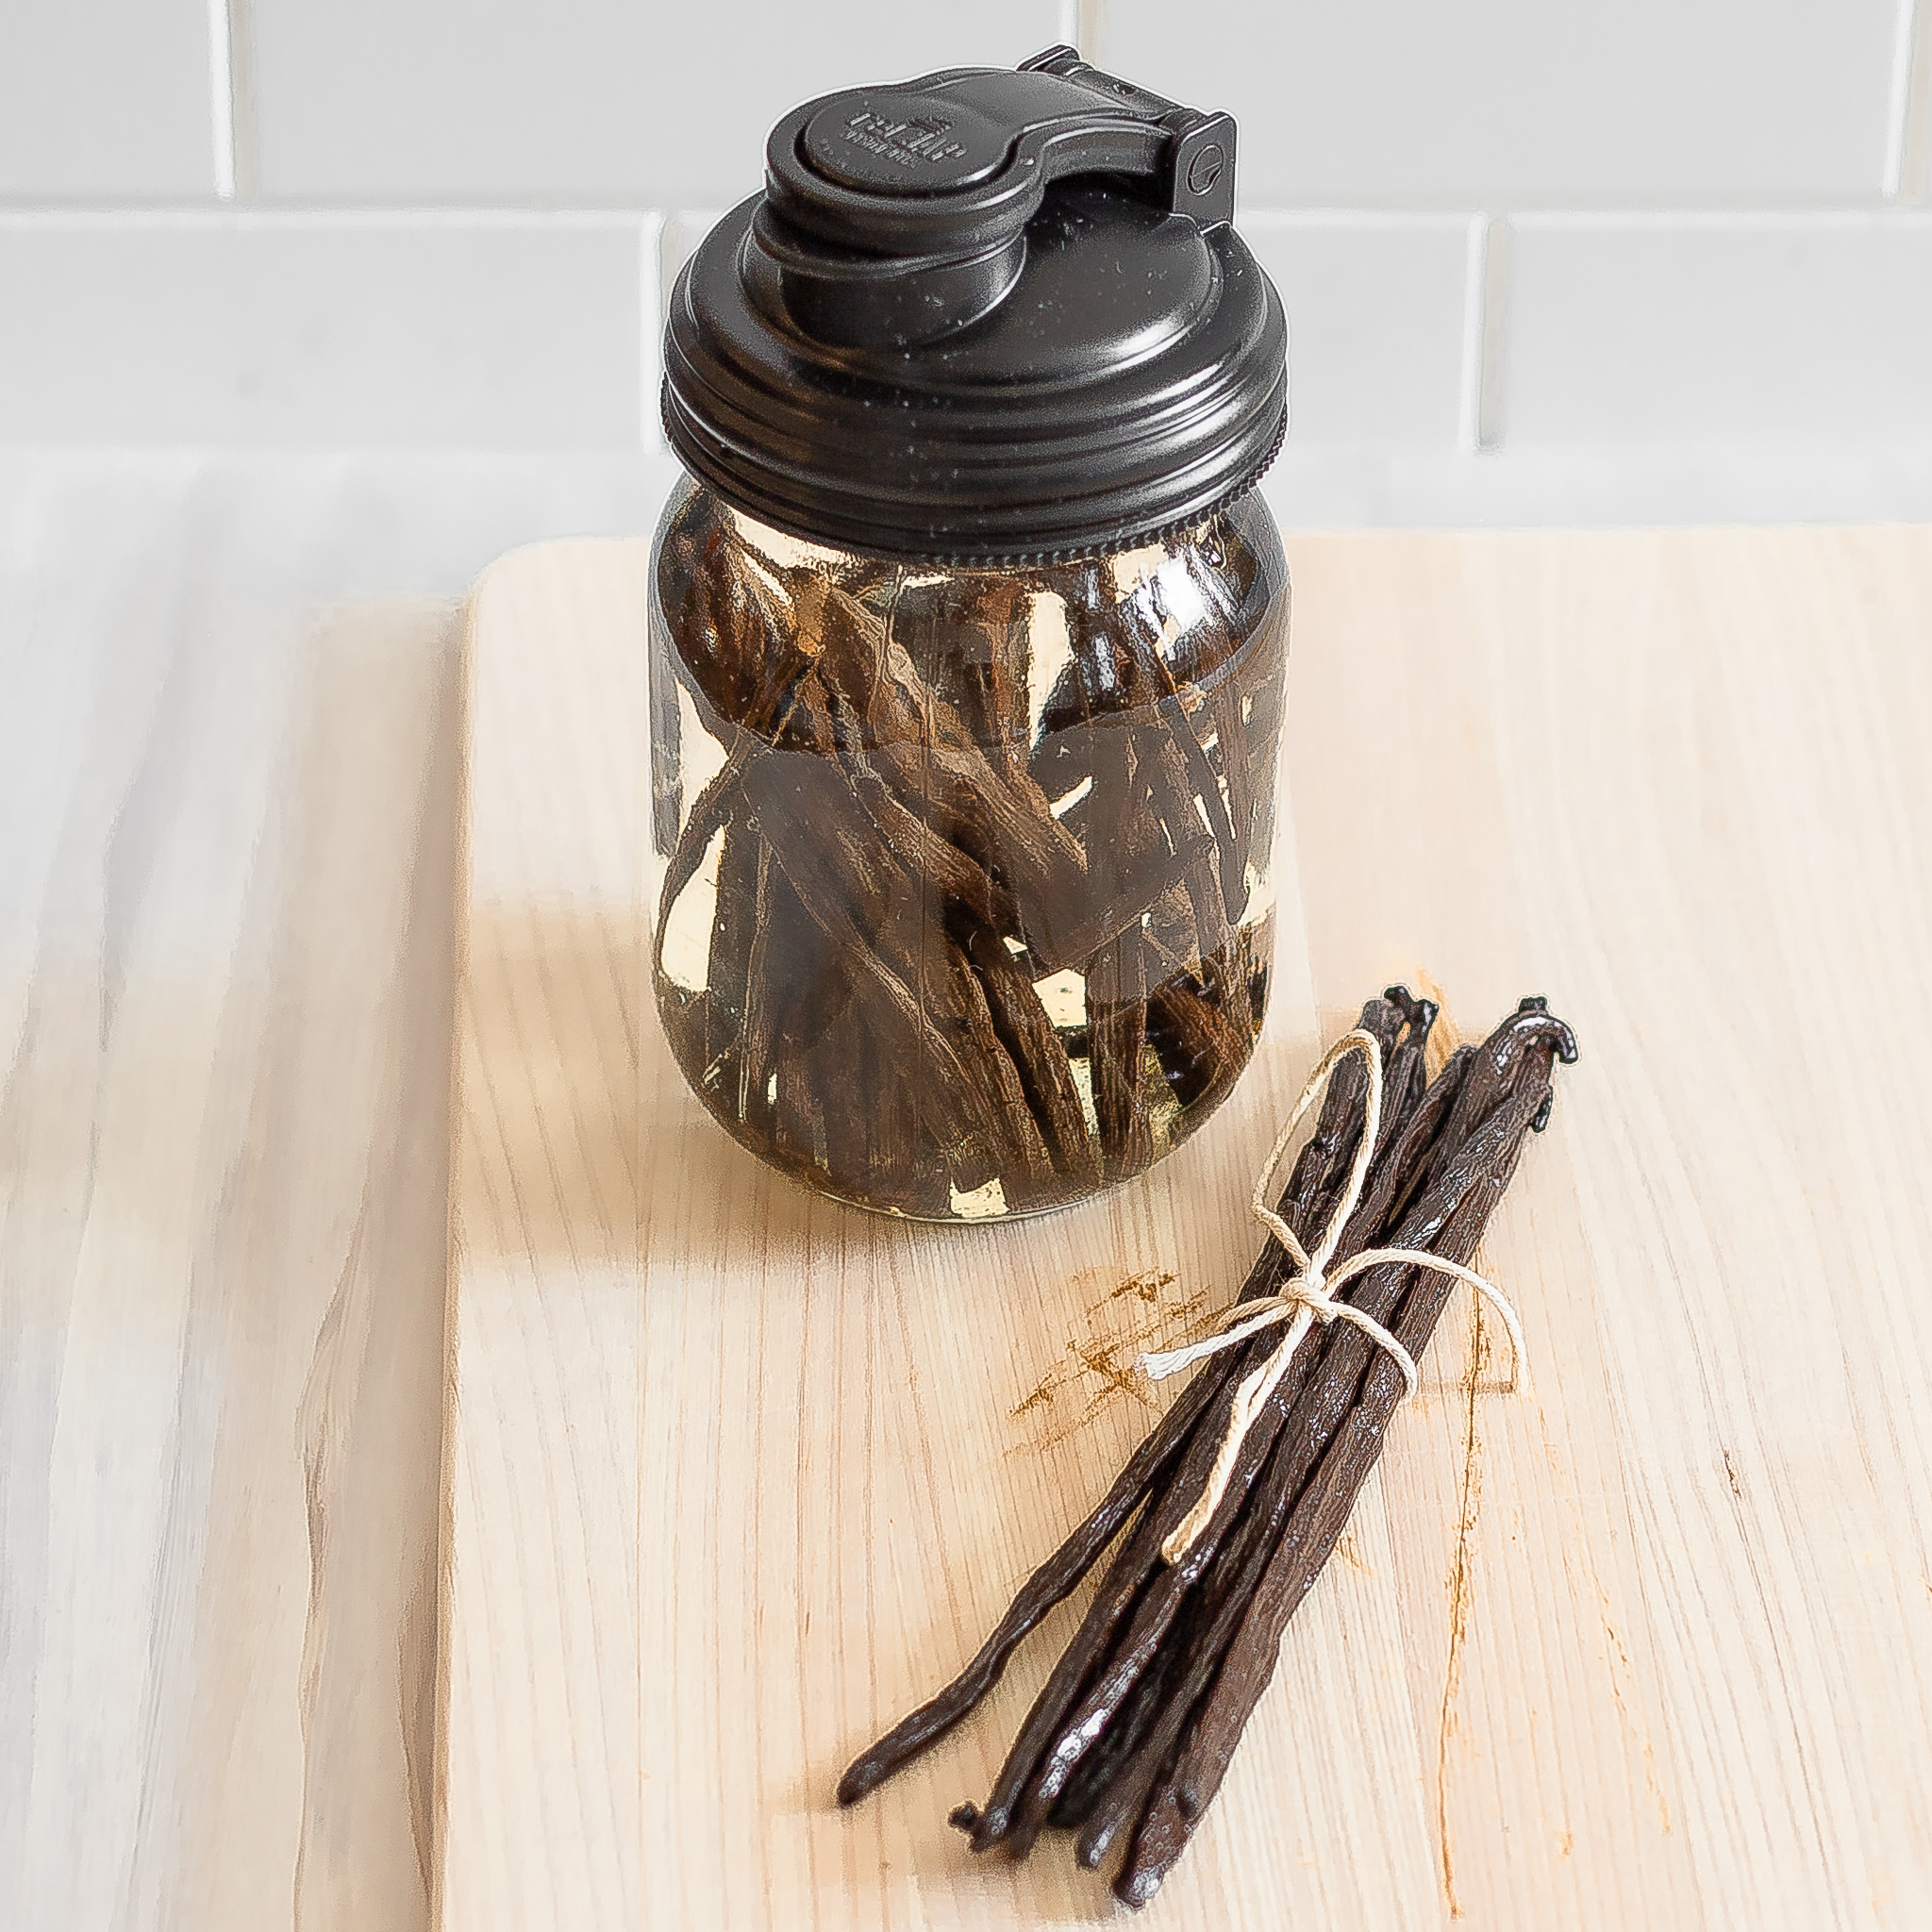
(924, 816)
(1127, 1744)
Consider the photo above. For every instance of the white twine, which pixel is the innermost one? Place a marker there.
(1307, 1296)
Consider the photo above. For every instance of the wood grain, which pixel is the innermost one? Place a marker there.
(541, 1639)
(1702, 758)
(225, 936)
(740, 1474)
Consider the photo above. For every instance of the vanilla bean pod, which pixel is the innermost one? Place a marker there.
(1188, 767)
(1035, 1771)
(1029, 1039)
(1324, 1441)
(1313, 1185)
(1181, 1793)
(1133, 1730)
(1230, 1544)
(1463, 1179)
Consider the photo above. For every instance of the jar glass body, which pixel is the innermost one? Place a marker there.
(962, 872)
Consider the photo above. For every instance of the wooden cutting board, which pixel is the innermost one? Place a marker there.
(735, 1475)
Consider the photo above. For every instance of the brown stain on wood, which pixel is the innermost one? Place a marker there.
(1109, 1359)
(1443, 1040)
(1145, 1286)
(1100, 1361)
(1622, 1672)
(1461, 1594)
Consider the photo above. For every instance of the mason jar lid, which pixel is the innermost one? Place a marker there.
(980, 317)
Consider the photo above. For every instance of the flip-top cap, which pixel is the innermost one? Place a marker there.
(982, 316)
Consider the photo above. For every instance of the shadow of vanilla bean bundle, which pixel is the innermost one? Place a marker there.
(1126, 1744)
(965, 907)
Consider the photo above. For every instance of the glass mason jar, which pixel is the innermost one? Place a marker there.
(968, 643)
(964, 905)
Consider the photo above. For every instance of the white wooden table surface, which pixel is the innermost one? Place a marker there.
(230, 772)
(1645, 1644)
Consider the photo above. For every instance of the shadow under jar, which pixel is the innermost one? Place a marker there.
(964, 905)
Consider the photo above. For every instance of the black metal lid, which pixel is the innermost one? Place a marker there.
(981, 316)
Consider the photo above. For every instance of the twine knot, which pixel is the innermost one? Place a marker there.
(1307, 1296)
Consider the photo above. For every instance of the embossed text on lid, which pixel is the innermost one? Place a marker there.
(899, 143)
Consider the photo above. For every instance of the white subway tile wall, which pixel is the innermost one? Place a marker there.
(1671, 239)
(1377, 318)
(577, 100)
(1781, 330)
(1532, 101)
(106, 99)
(329, 331)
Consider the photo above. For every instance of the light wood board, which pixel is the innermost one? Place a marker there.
(225, 930)
(736, 1476)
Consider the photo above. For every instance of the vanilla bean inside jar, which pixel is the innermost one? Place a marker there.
(968, 641)
(965, 906)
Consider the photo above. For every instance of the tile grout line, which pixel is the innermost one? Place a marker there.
(1915, 131)
(1905, 216)
(650, 327)
(1898, 106)
(1087, 30)
(231, 64)
(1809, 218)
(455, 218)
(221, 61)
(1499, 273)
(668, 230)
(1476, 302)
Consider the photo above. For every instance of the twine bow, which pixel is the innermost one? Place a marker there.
(1307, 1296)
